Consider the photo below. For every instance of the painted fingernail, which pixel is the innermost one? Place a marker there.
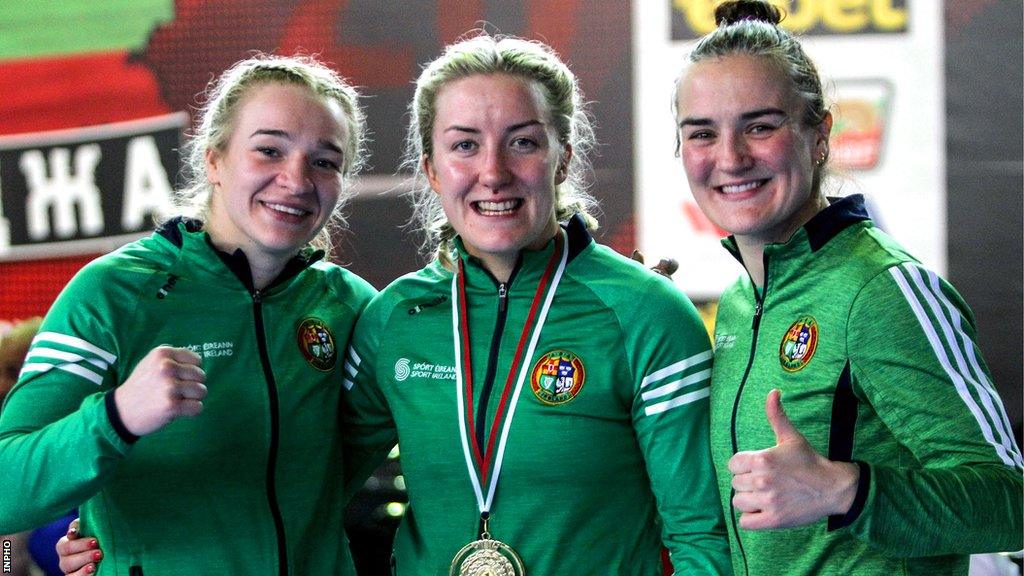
(93, 543)
(90, 568)
(97, 556)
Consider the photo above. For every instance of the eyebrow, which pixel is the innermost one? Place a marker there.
(326, 144)
(745, 117)
(509, 130)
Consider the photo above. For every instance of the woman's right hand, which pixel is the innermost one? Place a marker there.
(166, 384)
(78, 556)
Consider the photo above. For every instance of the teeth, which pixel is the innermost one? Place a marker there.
(285, 209)
(503, 207)
(733, 189)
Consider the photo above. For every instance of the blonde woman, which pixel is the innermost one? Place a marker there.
(183, 390)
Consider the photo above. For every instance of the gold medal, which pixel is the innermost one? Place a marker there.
(487, 557)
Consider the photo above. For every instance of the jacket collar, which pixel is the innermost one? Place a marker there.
(182, 230)
(840, 214)
(531, 263)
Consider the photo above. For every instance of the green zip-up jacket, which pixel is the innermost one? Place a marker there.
(607, 453)
(877, 362)
(250, 486)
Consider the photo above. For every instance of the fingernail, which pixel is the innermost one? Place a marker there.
(97, 556)
(72, 532)
(93, 543)
(90, 568)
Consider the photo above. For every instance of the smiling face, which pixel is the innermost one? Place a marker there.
(495, 165)
(749, 159)
(279, 176)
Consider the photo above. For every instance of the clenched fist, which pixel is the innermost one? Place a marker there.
(167, 384)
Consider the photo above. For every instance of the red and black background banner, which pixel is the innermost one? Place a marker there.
(171, 55)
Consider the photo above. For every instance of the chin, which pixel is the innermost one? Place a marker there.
(287, 246)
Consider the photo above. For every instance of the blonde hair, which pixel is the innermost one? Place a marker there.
(220, 110)
(532, 61)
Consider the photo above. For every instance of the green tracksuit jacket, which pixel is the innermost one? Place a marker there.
(609, 432)
(877, 362)
(250, 486)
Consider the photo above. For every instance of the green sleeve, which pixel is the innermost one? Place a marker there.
(57, 442)
(916, 362)
(670, 355)
(368, 429)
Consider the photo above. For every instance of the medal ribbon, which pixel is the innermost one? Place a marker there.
(520, 364)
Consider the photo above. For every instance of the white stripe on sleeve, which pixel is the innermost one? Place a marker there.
(688, 398)
(351, 367)
(72, 368)
(702, 376)
(356, 360)
(676, 368)
(961, 345)
(42, 352)
(940, 354)
(74, 342)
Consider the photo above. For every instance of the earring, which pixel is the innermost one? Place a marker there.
(821, 159)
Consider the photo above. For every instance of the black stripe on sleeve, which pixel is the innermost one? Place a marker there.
(115, 419)
(840, 443)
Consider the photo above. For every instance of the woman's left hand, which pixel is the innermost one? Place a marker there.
(789, 484)
(666, 266)
(78, 555)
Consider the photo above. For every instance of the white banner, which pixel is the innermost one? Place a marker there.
(882, 68)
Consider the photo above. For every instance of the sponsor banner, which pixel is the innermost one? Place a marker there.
(882, 72)
(694, 18)
(861, 117)
(86, 190)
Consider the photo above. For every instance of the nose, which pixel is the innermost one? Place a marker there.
(295, 175)
(494, 173)
(733, 154)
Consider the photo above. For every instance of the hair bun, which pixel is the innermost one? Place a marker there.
(738, 10)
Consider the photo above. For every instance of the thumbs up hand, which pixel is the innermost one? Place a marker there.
(789, 484)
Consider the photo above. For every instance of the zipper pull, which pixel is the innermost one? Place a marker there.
(758, 308)
(257, 296)
(502, 297)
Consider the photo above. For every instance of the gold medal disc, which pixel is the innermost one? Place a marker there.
(486, 557)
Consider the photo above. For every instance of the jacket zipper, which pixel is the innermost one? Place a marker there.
(492, 362)
(275, 509)
(755, 326)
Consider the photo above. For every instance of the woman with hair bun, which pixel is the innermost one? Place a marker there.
(894, 454)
